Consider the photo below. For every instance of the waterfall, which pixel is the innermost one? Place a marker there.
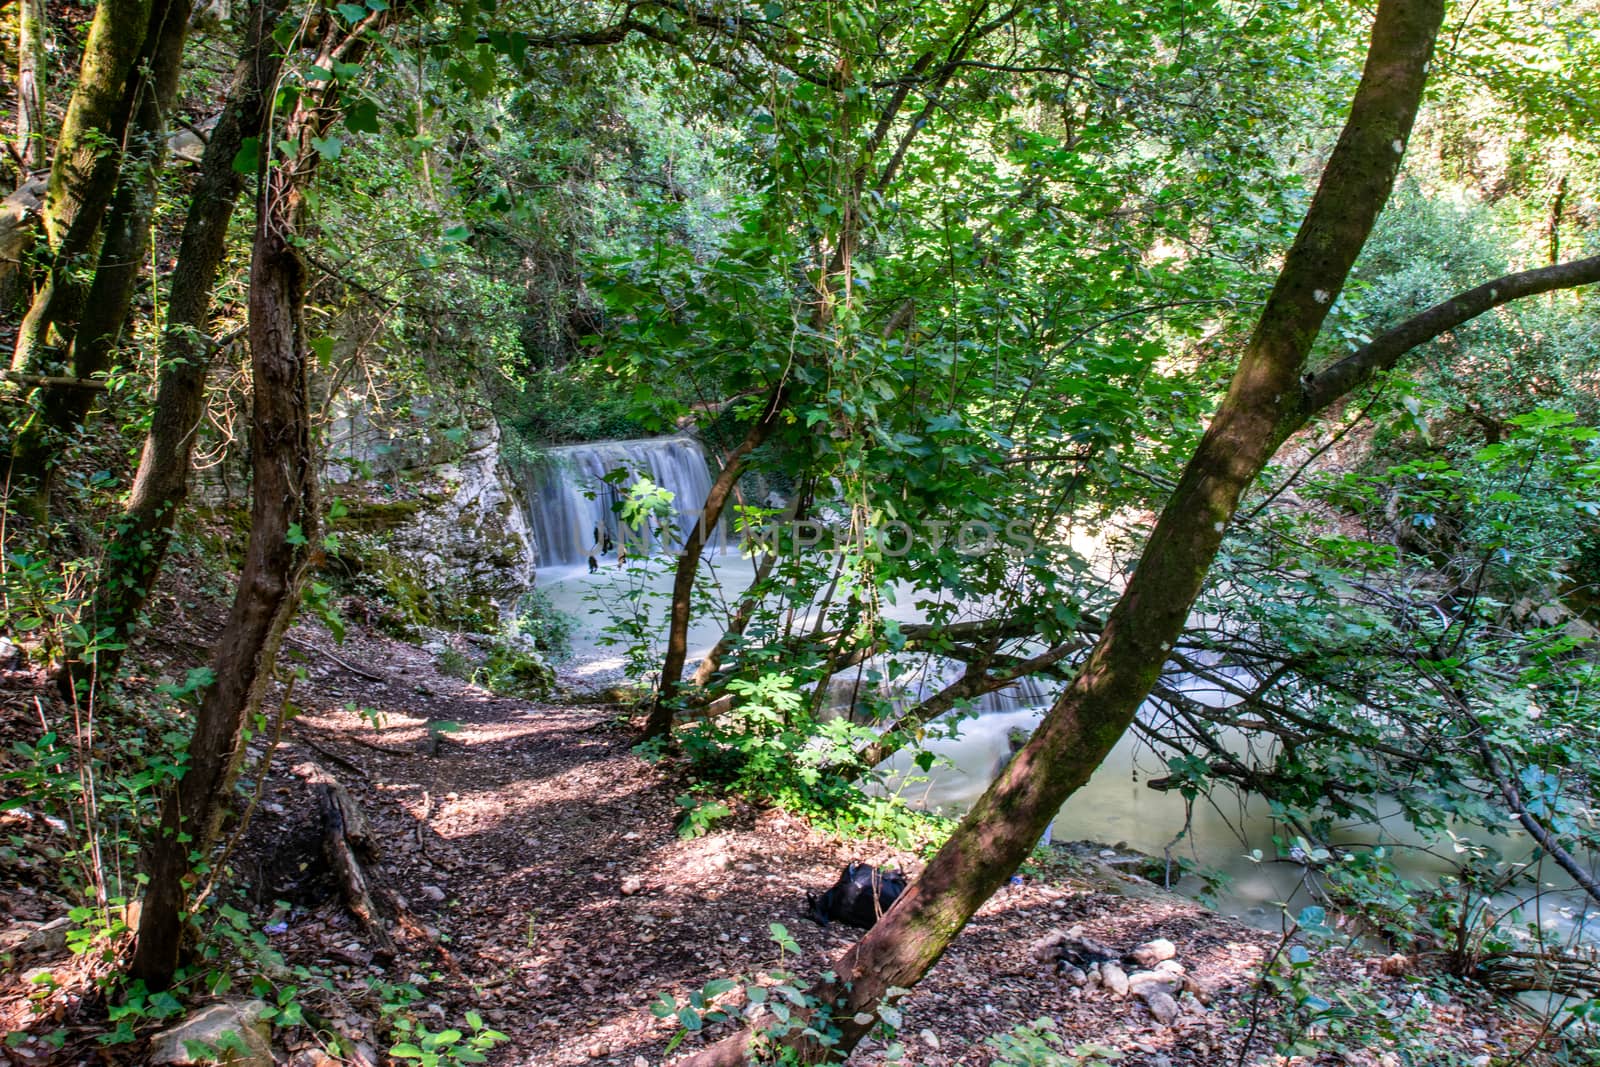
(569, 498)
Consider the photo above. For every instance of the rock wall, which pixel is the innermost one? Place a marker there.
(429, 525)
(435, 523)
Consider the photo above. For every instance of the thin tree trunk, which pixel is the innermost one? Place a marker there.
(659, 723)
(124, 246)
(31, 29)
(1100, 703)
(139, 541)
(284, 475)
(712, 661)
(284, 483)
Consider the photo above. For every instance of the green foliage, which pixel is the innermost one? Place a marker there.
(516, 670)
(776, 1004)
(541, 622)
(1037, 1044)
(413, 1041)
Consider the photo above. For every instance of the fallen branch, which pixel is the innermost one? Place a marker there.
(53, 381)
(352, 668)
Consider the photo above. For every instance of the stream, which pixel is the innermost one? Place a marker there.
(1218, 836)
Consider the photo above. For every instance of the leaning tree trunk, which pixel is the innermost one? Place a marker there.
(1100, 703)
(139, 540)
(83, 175)
(659, 722)
(125, 243)
(283, 504)
(711, 662)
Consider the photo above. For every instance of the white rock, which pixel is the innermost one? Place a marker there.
(210, 1027)
(1115, 978)
(631, 885)
(36, 939)
(1142, 981)
(433, 893)
(1153, 952)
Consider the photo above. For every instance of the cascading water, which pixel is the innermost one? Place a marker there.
(570, 501)
(846, 692)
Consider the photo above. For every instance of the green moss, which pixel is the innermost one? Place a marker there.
(511, 671)
(364, 567)
(379, 516)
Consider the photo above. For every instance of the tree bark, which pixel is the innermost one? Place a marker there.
(31, 28)
(284, 477)
(659, 723)
(125, 243)
(283, 504)
(1101, 701)
(139, 540)
(83, 175)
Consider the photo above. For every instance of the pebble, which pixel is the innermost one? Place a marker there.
(631, 885)
(433, 893)
(1115, 978)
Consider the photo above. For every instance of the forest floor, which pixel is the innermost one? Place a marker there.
(541, 883)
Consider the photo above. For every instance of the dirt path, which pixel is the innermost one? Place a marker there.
(537, 858)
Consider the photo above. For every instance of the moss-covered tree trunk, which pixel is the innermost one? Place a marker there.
(1261, 407)
(139, 541)
(83, 176)
(124, 246)
(31, 30)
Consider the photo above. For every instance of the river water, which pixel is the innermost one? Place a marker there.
(1230, 841)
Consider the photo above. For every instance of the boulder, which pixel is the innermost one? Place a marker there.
(1114, 978)
(1142, 981)
(35, 939)
(1162, 1006)
(233, 1032)
(1151, 953)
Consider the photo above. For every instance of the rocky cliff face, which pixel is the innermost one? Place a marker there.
(435, 523)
